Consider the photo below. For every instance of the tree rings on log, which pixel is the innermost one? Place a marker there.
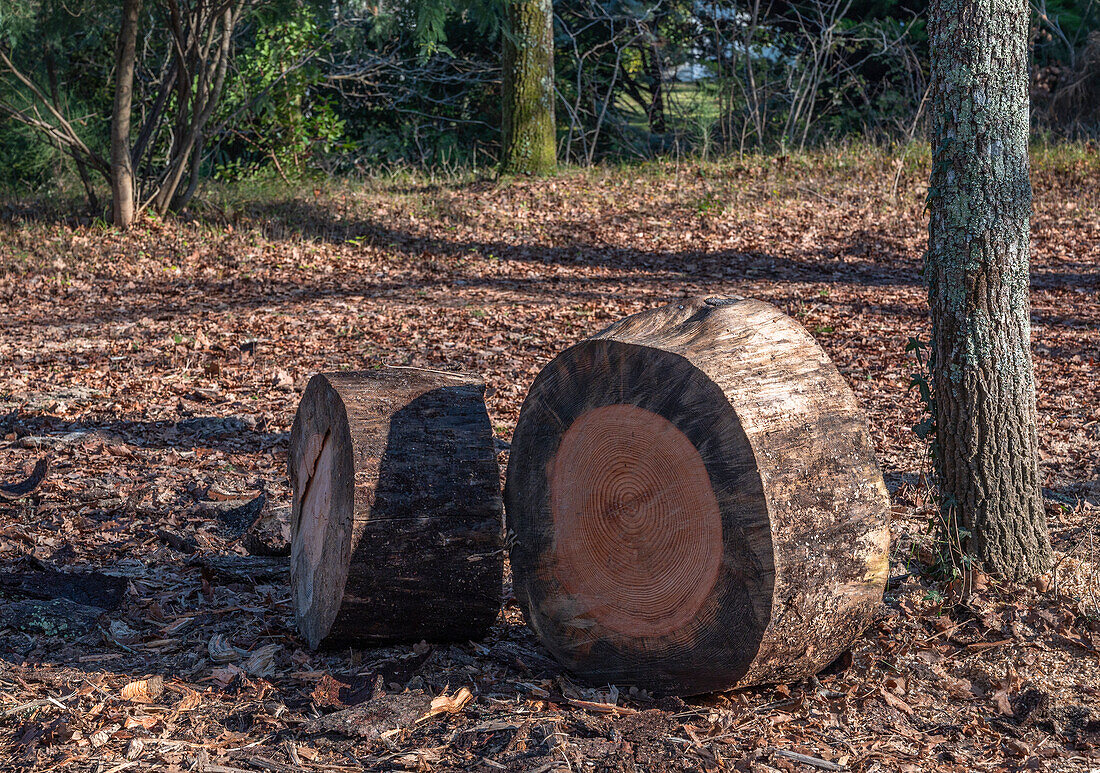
(396, 528)
(693, 502)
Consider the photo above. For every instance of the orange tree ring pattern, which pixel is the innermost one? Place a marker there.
(637, 527)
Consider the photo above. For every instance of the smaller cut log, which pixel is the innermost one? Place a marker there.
(229, 568)
(396, 527)
(238, 519)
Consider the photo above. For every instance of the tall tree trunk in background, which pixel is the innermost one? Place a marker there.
(529, 142)
(656, 111)
(123, 194)
(977, 273)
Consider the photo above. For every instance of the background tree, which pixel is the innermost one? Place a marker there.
(122, 171)
(131, 92)
(528, 136)
(977, 272)
(345, 85)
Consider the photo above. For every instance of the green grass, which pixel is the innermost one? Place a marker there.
(851, 169)
(842, 168)
(687, 106)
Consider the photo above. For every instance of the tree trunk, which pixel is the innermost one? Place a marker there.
(977, 272)
(396, 530)
(693, 502)
(197, 97)
(656, 111)
(529, 144)
(123, 195)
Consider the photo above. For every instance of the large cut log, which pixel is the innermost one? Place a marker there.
(396, 525)
(693, 502)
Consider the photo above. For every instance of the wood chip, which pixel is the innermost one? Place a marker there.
(600, 708)
(449, 704)
(805, 759)
(143, 690)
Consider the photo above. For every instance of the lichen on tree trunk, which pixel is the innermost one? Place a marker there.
(528, 142)
(977, 273)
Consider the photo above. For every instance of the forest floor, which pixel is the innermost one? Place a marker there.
(159, 370)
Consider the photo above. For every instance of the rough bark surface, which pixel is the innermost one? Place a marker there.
(396, 524)
(693, 502)
(977, 273)
(529, 145)
(92, 589)
(122, 172)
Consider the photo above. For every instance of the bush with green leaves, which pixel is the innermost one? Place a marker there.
(276, 110)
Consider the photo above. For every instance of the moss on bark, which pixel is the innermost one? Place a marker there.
(529, 144)
(977, 273)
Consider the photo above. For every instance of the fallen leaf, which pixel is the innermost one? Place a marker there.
(145, 721)
(1001, 701)
(897, 703)
(101, 737)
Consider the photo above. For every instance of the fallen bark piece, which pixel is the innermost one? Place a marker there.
(396, 524)
(230, 568)
(237, 520)
(143, 690)
(53, 617)
(221, 651)
(600, 708)
(328, 692)
(87, 588)
(21, 489)
(269, 535)
(693, 502)
(384, 714)
(178, 542)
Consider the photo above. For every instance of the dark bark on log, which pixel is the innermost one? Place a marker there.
(87, 588)
(239, 519)
(178, 542)
(693, 502)
(246, 570)
(270, 534)
(396, 526)
(55, 617)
